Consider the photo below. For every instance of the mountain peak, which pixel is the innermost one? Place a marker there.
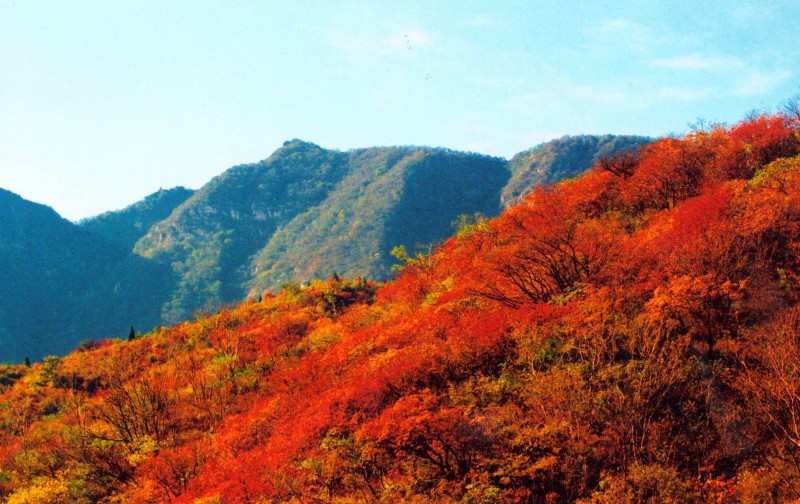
(297, 143)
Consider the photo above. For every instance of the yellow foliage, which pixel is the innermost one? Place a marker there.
(42, 491)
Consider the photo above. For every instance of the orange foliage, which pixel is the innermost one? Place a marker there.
(630, 335)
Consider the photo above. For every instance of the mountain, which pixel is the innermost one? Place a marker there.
(307, 212)
(125, 227)
(390, 197)
(630, 335)
(62, 283)
(45, 258)
(53, 273)
(562, 158)
(303, 213)
(211, 236)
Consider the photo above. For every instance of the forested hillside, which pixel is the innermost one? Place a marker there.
(391, 197)
(210, 238)
(303, 213)
(307, 212)
(62, 284)
(560, 159)
(628, 336)
(125, 227)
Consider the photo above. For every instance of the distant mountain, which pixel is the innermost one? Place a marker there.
(304, 212)
(125, 227)
(559, 159)
(61, 283)
(44, 260)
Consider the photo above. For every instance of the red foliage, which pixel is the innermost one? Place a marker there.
(627, 336)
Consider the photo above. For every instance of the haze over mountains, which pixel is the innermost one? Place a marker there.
(305, 212)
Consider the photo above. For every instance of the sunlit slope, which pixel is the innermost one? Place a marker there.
(303, 213)
(307, 212)
(391, 197)
(562, 158)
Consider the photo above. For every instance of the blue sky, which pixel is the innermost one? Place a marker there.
(102, 103)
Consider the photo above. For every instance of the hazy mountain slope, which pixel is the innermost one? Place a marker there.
(51, 272)
(212, 235)
(392, 196)
(306, 211)
(560, 159)
(128, 225)
(379, 198)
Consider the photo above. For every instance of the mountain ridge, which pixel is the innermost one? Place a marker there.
(126, 226)
(51, 263)
(301, 213)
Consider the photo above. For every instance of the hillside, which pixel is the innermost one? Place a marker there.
(560, 159)
(57, 286)
(307, 212)
(125, 227)
(628, 336)
(303, 213)
(210, 238)
(390, 197)
(42, 255)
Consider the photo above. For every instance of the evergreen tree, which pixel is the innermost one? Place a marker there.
(132, 335)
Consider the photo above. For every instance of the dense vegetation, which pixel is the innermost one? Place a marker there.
(307, 212)
(303, 213)
(628, 336)
(390, 197)
(560, 159)
(209, 239)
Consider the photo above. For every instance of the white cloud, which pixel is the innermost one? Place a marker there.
(759, 83)
(698, 62)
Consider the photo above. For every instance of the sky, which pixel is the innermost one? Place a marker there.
(103, 103)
